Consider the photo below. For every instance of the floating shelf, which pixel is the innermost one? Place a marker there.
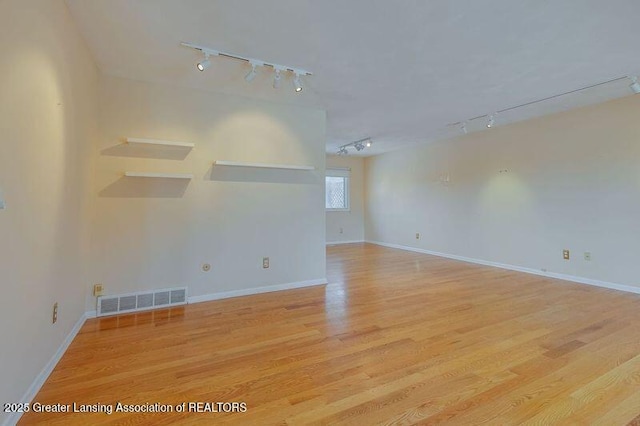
(262, 165)
(159, 142)
(160, 175)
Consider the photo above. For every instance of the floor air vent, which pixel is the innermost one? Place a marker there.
(133, 302)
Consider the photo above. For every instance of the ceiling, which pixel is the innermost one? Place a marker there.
(396, 71)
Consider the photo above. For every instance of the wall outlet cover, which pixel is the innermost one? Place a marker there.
(97, 290)
(54, 318)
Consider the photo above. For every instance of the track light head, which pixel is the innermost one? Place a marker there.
(297, 84)
(635, 86)
(251, 74)
(343, 151)
(491, 122)
(359, 146)
(276, 79)
(203, 65)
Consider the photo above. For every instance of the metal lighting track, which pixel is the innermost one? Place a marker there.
(214, 52)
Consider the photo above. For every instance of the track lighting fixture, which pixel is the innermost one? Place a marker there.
(278, 69)
(491, 118)
(276, 79)
(252, 74)
(297, 85)
(358, 145)
(635, 86)
(203, 65)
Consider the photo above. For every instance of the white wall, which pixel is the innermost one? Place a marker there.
(48, 120)
(152, 234)
(351, 222)
(572, 181)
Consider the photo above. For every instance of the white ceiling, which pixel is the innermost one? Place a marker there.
(397, 71)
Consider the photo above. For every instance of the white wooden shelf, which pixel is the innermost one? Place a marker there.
(159, 142)
(262, 165)
(160, 175)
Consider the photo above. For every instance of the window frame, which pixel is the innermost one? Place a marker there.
(344, 173)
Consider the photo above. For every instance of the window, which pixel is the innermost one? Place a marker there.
(337, 190)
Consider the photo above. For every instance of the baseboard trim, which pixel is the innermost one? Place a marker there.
(336, 243)
(572, 278)
(33, 390)
(256, 290)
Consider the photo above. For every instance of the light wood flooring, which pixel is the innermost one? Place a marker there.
(394, 338)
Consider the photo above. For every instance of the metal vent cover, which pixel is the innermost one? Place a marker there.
(178, 296)
(141, 301)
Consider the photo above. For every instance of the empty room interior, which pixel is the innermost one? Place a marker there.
(319, 212)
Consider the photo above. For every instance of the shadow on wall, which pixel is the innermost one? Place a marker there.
(142, 187)
(255, 174)
(149, 151)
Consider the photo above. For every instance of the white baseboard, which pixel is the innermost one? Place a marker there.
(572, 278)
(335, 243)
(256, 290)
(46, 371)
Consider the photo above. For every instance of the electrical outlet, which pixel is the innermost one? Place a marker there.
(565, 254)
(417, 235)
(97, 290)
(587, 256)
(206, 267)
(54, 317)
(265, 262)
(341, 231)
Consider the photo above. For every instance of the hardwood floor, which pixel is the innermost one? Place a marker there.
(395, 338)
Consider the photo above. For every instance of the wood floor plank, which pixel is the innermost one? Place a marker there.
(394, 338)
